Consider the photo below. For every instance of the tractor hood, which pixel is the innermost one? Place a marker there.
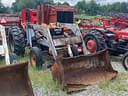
(120, 33)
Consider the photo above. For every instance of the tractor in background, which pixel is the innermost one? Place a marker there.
(112, 34)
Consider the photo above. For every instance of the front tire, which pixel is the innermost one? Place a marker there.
(13, 58)
(16, 40)
(36, 57)
(94, 41)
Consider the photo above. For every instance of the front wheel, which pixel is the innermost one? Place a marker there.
(13, 58)
(16, 40)
(125, 61)
(36, 59)
(94, 41)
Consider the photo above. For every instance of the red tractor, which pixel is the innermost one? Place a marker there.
(113, 35)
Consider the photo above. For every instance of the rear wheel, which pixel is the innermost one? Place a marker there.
(36, 57)
(94, 41)
(125, 61)
(16, 40)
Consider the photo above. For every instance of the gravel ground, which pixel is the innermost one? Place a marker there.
(116, 63)
(91, 90)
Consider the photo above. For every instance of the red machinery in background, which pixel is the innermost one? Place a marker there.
(29, 15)
(111, 33)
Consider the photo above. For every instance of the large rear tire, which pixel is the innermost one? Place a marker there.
(36, 59)
(94, 41)
(125, 61)
(16, 40)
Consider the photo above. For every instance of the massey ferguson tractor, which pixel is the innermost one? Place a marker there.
(50, 30)
(113, 35)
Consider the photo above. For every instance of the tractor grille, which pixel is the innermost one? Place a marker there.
(64, 16)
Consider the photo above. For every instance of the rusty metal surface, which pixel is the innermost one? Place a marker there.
(49, 12)
(65, 41)
(11, 20)
(14, 80)
(9, 15)
(78, 72)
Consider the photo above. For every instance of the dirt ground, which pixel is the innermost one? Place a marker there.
(116, 63)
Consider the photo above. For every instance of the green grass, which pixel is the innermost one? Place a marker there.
(79, 16)
(116, 86)
(44, 79)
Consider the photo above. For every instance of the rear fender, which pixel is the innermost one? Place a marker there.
(104, 35)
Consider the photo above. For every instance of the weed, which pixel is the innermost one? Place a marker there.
(116, 86)
(40, 78)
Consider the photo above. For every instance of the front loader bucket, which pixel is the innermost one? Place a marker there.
(78, 72)
(14, 80)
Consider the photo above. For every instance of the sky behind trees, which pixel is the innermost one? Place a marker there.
(72, 2)
(90, 7)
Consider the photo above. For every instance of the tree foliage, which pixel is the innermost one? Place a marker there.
(21, 4)
(92, 8)
(83, 7)
(3, 9)
(65, 3)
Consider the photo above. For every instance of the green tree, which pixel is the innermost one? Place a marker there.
(81, 6)
(18, 5)
(93, 7)
(124, 7)
(15, 6)
(66, 3)
(115, 7)
(3, 9)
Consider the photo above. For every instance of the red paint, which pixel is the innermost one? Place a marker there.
(3, 20)
(49, 12)
(79, 49)
(91, 45)
(32, 13)
(120, 33)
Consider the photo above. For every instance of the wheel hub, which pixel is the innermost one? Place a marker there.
(91, 45)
